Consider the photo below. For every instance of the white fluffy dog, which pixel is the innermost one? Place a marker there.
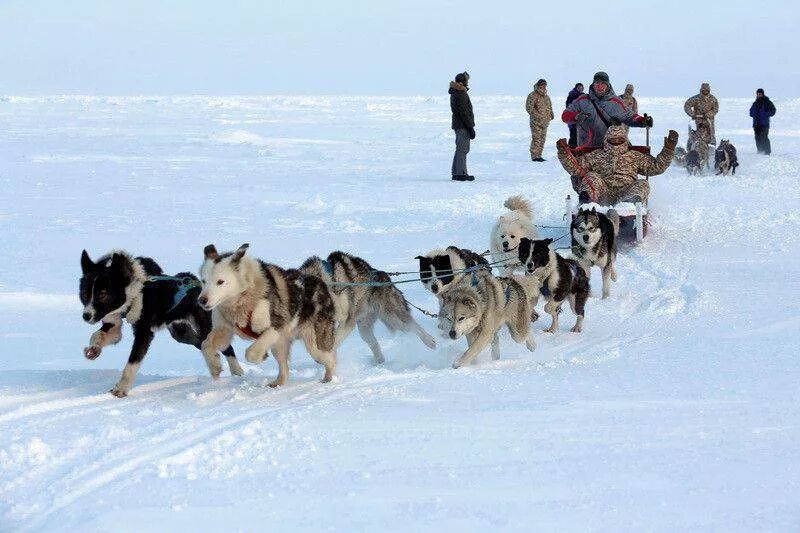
(509, 230)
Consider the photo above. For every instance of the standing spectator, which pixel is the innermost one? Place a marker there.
(573, 128)
(761, 110)
(596, 111)
(463, 124)
(702, 107)
(540, 109)
(629, 100)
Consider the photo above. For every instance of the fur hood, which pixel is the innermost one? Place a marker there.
(616, 131)
(629, 90)
(456, 86)
(705, 88)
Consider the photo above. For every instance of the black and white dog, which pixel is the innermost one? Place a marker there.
(440, 268)
(561, 279)
(119, 286)
(725, 159)
(594, 243)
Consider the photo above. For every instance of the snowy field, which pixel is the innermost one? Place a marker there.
(676, 409)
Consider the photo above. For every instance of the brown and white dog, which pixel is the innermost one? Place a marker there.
(269, 305)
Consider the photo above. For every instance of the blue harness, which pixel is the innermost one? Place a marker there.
(544, 290)
(327, 266)
(183, 286)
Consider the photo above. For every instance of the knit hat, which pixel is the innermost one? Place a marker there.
(462, 78)
(759, 91)
(601, 76)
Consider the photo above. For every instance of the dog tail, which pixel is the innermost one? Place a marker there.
(390, 305)
(519, 203)
(613, 216)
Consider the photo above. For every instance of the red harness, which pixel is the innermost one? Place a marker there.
(247, 331)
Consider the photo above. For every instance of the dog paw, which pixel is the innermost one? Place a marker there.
(458, 363)
(549, 330)
(576, 329)
(118, 392)
(277, 382)
(254, 354)
(531, 345)
(235, 367)
(92, 352)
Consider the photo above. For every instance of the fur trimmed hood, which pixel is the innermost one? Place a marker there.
(456, 86)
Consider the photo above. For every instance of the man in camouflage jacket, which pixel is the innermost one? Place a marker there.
(609, 175)
(702, 107)
(540, 109)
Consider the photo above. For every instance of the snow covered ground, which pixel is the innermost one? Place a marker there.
(676, 409)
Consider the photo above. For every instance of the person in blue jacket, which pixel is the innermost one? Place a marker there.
(761, 111)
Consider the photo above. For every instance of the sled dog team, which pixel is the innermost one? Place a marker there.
(325, 299)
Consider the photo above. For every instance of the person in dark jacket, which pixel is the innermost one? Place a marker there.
(596, 111)
(761, 111)
(573, 128)
(463, 124)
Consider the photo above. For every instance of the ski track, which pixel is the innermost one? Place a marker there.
(66, 446)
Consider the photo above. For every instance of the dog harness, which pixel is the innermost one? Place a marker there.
(327, 266)
(183, 286)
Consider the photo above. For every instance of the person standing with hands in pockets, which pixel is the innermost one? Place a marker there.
(463, 123)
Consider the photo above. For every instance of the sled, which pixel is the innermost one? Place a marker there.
(633, 218)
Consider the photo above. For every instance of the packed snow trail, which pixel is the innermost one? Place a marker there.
(675, 409)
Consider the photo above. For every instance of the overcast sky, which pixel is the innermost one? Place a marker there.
(125, 47)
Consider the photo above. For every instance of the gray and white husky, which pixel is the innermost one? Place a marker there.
(479, 309)
(594, 243)
(269, 305)
(363, 305)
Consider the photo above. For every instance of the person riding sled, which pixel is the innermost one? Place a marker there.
(594, 112)
(610, 175)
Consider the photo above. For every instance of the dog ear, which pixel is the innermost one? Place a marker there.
(87, 265)
(238, 254)
(548, 241)
(524, 248)
(120, 265)
(210, 252)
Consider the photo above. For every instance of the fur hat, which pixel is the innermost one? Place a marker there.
(541, 82)
(601, 76)
(705, 87)
(462, 78)
(629, 89)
